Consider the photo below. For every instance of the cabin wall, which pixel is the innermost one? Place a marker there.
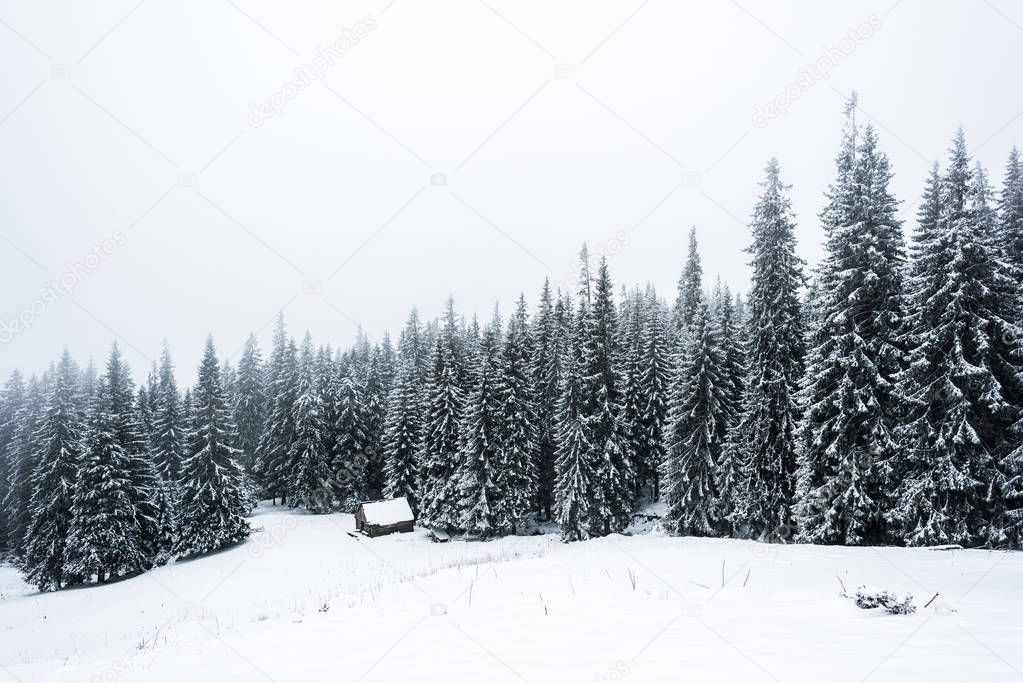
(383, 529)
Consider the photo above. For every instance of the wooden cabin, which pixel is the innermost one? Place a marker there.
(381, 517)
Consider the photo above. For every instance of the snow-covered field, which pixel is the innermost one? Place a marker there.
(305, 601)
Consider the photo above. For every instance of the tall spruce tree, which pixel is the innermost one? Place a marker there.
(53, 481)
(724, 320)
(690, 289)
(765, 435)
(145, 413)
(1010, 216)
(696, 436)
(440, 458)
(104, 539)
(413, 347)
(375, 389)
(732, 370)
(272, 464)
(403, 427)
(11, 400)
(1010, 465)
(348, 452)
(575, 474)
(653, 384)
(215, 499)
(309, 465)
(115, 514)
(481, 496)
(630, 325)
(144, 481)
(403, 434)
(612, 461)
(517, 431)
(168, 424)
(853, 401)
(167, 444)
(546, 375)
(21, 455)
(964, 368)
(250, 404)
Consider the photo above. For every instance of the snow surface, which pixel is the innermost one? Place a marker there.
(384, 512)
(304, 601)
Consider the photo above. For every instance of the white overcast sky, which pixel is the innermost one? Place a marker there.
(617, 123)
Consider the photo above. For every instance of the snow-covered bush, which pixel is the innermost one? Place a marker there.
(868, 597)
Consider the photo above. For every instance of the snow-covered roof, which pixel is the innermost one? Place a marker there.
(387, 511)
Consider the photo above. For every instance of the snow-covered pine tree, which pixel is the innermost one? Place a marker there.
(765, 435)
(1004, 354)
(471, 346)
(168, 425)
(964, 367)
(696, 435)
(690, 290)
(687, 308)
(165, 502)
(88, 387)
(187, 406)
(653, 383)
(731, 356)
(853, 404)
(452, 335)
(104, 539)
(145, 413)
(309, 465)
(546, 374)
(574, 470)
(1010, 463)
(349, 448)
(614, 474)
(215, 499)
(144, 482)
(1010, 215)
(115, 517)
(10, 400)
(21, 454)
(439, 461)
(59, 440)
(228, 378)
(481, 497)
(730, 344)
(250, 404)
(517, 427)
(403, 425)
(412, 348)
(630, 326)
(279, 428)
(375, 390)
(403, 433)
(427, 339)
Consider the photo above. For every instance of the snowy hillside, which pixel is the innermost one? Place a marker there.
(305, 601)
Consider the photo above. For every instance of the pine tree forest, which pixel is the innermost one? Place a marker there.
(873, 398)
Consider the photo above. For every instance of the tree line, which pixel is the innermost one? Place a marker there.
(874, 399)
